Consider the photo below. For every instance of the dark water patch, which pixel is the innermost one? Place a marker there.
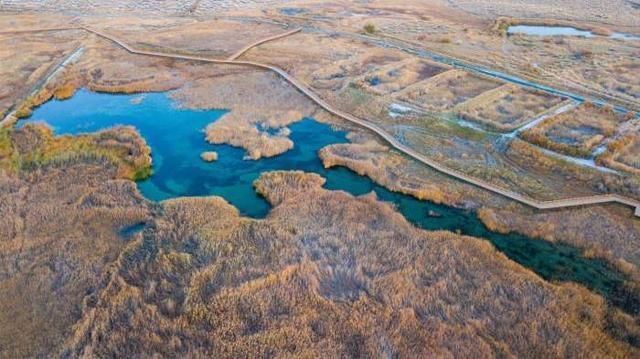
(176, 138)
(128, 232)
(374, 81)
(271, 131)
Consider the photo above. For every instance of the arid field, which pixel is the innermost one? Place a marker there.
(473, 192)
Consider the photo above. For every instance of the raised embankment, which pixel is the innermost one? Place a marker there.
(393, 142)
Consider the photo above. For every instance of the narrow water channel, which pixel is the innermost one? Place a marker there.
(176, 137)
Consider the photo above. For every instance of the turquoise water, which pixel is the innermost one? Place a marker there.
(176, 137)
(535, 30)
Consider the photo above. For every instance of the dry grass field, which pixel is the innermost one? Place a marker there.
(508, 107)
(612, 234)
(217, 38)
(202, 281)
(38, 54)
(258, 125)
(397, 76)
(62, 204)
(623, 154)
(446, 90)
(621, 77)
(270, 288)
(619, 13)
(330, 63)
(576, 132)
(145, 7)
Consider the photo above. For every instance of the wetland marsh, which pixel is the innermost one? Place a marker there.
(176, 137)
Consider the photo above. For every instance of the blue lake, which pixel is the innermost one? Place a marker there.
(176, 137)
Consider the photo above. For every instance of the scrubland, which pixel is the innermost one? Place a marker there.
(614, 13)
(598, 66)
(619, 77)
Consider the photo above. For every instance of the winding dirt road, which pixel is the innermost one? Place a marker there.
(393, 142)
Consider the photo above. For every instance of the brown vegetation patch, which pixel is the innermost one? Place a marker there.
(446, 90)
(324, 62)
(217, 38)
(276, 186)
(64, 92)
(576, 132)
(385, 167)
(508, 107)
(623, 154)
(209, 156)
(611, 234)
(105, 68)
(59, 229)
(258, 101)
(34, 146)
(329, 276)
(616, 77)
(27, 59)
(397, 76)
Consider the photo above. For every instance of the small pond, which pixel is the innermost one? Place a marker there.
(176, 137)
(538, 30)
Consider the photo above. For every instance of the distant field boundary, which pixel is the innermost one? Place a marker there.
(392, 141)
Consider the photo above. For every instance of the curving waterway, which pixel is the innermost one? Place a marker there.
(176, 137)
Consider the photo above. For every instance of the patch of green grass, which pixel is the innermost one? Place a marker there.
(5, 142)
(357, 96)
(450, 127)
(142, 173)
(67, 149)
(23, 112)
(369, 28)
